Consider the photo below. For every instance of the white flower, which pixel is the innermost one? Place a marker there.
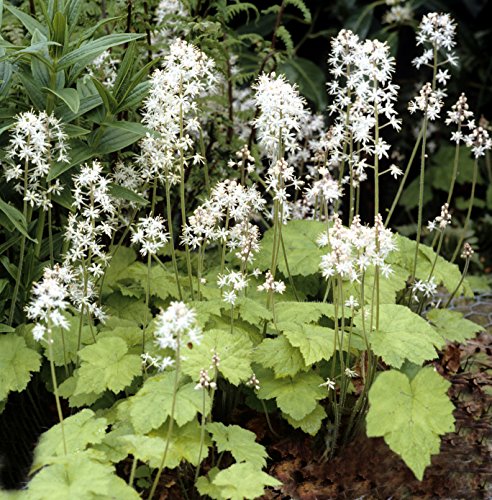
(479, 141)
(351, 302)
(36, 141)
(350, 373)
(270, 285)
(395, 171)
(49, 299)
(176, 326)
(150, 234)
(428, 101)
(282, 110)
(187, 76)
(329, 384)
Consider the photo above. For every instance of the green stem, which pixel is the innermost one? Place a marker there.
(55, 387)
(171, 423)
(470, 208)
(421, 195)
(132, 472)
(26, 212)
(455, 291)
(202, 436)
(171, 233)
(455, 168)
(405, 175)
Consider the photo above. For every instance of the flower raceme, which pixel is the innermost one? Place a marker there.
(37, 140)
(176, 326)
(353, 249)
(282, 110)
(150, 233)
(187, 75)
(50, 297)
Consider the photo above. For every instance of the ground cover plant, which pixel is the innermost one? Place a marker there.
(185, 239)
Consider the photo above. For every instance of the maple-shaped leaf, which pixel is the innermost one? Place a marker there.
(122, 258)
(452, 326)
(240, 442)
(234, 350)
(315, 342)
(281, 356)
(79, 430)
(65, 345)
(297, 396)
(106, 365)
(302, 312)
(237, 482)
(311, 423)
(184, 444)
(252, 311)
(402, 335)
(151, 405)
(78, 476)
(411, 415)
(17, 362)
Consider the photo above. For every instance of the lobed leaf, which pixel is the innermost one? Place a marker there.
(234, 350)
(297, 396)
(402, 335)
(281, 356)
(17, 362)
(411, 415)
(151, 405)
(240, 442)
(107, 365)
(452, 326)
(237, 482)
(80, 430)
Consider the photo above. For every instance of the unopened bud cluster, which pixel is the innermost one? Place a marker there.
(205, 381)
(253, 382)
(467, 251)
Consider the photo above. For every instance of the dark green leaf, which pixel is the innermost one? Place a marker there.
(69, 96)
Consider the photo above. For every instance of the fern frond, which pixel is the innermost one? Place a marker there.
(300, 5)
(286, 37)
(232, 11)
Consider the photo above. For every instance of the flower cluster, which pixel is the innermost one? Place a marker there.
(398, 14)
(441, 221)
(363, 98)
(438, 30)
(467, 251)
(270, 285)
(37, 140)
(205, 381)
(479, 141)
(429, 101)
(282, 111)
(92, 221)
(176, 327)
(168, 15)
(93, 217)
(187, 75)
(233, 205)
(49, 298)
(234, 282)
(150, 233)
(427, 289)
(354, 249)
